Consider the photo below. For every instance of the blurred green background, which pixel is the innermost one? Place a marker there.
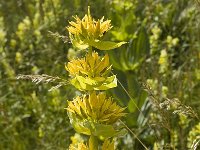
(163, 51)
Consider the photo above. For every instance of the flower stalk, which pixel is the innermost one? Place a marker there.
(93, 113)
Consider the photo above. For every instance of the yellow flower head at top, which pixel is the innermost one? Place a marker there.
(88, 28)
(91, 72)
(88, 32)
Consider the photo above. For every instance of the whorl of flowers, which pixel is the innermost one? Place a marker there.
(91, 73)
(88, 27)
(107, 145)
(78, 146)
(96, 108)
(88, 32)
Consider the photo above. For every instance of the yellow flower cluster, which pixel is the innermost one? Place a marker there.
(88, 32)
(78, 146)
(96, 107)
(88, 27)
(91, 66)
(107, 145)
(91, 72)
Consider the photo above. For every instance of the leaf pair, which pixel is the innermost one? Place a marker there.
(82, 43)
(90, 128)
(87, 83)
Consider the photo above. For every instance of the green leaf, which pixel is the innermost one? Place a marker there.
(109, 83)
(104, 131)
(79, 126)
(114, 59)
(105, 45)
(131, 106)
(78, 43)
(143, 115)
(90, 128)
(118, 92)
(107, 131)
(81, 81)
(142, 47)
(134, 54)
(85, 83)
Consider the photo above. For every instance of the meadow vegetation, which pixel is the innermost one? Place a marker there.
(155, 75)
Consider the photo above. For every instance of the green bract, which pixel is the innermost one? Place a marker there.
(82, 43)
(90, 128)
(87, 83)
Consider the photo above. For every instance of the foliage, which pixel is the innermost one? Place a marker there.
(163, 51)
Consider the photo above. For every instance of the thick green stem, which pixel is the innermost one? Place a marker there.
(93, 143)
(90, 50)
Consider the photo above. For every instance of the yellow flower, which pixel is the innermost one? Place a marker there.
(108, 145)
(91, 73)
(76, 138)
(92, 66)
(96, 108)
(89, 28)
(88, 32)
(79, 146)
(163, 61)
(95, 114)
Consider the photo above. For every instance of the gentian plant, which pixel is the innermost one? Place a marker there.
(94, 113)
